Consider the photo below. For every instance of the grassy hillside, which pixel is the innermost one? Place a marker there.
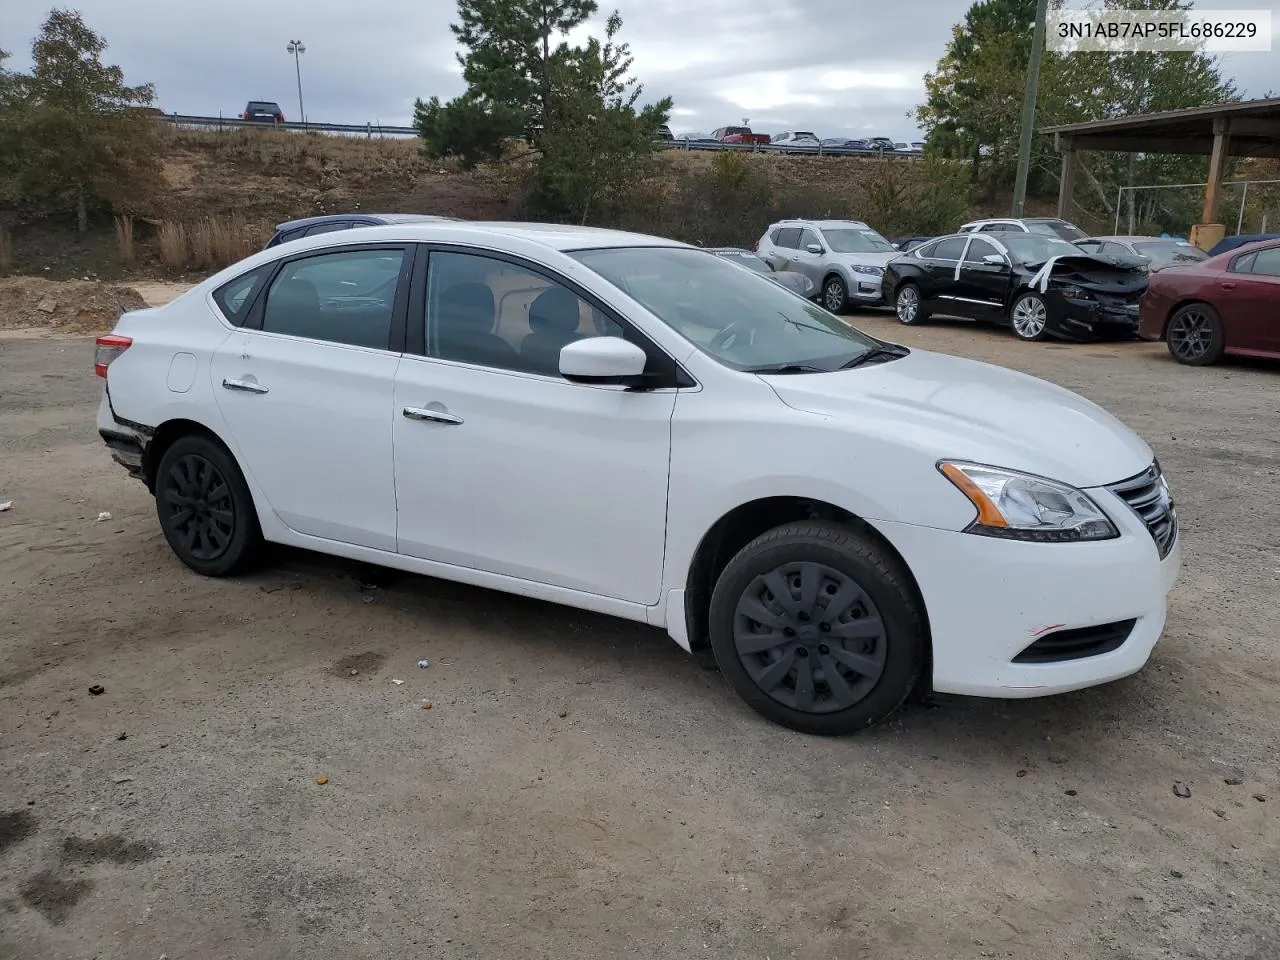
(222, 193)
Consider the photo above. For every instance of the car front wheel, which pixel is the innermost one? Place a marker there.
(834, 295)
(1029, 317)
(206, 511)
(817, 628)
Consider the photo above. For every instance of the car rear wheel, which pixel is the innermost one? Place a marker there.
(834, 295)
(206, 511)
(909, 305)
(1029, 317)
(1194, 335)
(817, 628)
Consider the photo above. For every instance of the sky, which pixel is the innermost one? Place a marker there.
(833, 67)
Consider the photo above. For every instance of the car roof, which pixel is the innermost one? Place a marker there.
(382, 218)
(730, 250)
(553, 236)
(1131, 238)
(819, 223)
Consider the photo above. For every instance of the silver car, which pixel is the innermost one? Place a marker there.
(1157, 252)
(845, 259)
(795, 282)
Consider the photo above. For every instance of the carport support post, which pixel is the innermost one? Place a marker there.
(1209, 231)
(1067, 179)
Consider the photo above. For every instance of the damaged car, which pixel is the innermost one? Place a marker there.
(1040, 286)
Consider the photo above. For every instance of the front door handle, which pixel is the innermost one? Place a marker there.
(433, 416)
(249, 386)
(1228, 286)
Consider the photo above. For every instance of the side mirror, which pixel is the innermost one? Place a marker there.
(895, 246)
(814, 248)
(603, 360)
(993, 260)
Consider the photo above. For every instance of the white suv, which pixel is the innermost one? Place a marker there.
(637, 427)
(845, 259)
(1047, 226)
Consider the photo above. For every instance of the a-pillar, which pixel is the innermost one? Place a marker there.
(1067, 180)
(1209, 231)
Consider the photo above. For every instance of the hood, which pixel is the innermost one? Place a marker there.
(1093, 273)
(871, 259)
(947, 407)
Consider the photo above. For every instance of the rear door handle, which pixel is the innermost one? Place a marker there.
(432, 416)
(248, 386)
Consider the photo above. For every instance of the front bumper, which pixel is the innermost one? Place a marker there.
(865, 289)
(988, 600)
(1090, 318)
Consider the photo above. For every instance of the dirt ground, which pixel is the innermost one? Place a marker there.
(580, 788)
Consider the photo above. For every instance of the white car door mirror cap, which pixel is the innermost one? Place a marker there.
(993, 260)
(814, 248)
(602, 360)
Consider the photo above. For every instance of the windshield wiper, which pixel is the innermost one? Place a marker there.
(788, 368)
(875, 353)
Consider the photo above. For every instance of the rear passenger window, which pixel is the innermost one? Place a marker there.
(344, 297)
(949, 249)
(235, 297)
(789, 238)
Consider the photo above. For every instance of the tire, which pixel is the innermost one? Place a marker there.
(787, 677)
(214, 535)
(1029, 317)
(834, 295)
(1194, 335)
(915, 313)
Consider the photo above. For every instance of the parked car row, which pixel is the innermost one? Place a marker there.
(798, 141)
(1044, 278)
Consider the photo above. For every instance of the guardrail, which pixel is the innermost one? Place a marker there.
(230, 123)
(371, 130)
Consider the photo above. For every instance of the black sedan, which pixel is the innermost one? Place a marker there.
(795, 282)
(1040, 286)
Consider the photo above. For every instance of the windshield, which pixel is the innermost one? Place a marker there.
(743, 320)
(744, 259)
(855, 240)
(1056, 228)
(1035, 248)
(1170, 251)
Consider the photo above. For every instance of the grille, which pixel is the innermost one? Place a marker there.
(1148, 495)
(1078, 643)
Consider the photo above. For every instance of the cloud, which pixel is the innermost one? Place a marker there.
(836, 67)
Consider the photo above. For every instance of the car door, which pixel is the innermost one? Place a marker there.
(939, 261)
(501, 464)
(804, 261)
(785, 247)
(982, 287)
(306, 387)
(1249, 302)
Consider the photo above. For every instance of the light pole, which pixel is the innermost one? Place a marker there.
(297, 48)
(1029, 109)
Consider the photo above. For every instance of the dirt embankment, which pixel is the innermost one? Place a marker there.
(70, 306)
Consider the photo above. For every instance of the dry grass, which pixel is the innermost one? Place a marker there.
(175, 248)
(6, 249)
(218, 242)
(124, 241)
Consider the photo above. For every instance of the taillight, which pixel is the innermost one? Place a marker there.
(107, 349)
(245, 115)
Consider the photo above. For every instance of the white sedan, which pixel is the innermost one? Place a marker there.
(633, 426)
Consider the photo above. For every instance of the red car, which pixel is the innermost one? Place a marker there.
(1228, 304)
(739, 135)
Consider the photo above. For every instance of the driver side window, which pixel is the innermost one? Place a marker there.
(493, 313)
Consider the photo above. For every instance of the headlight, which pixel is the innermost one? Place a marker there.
(1075, 293)
(869, 270)
(1021, 506)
